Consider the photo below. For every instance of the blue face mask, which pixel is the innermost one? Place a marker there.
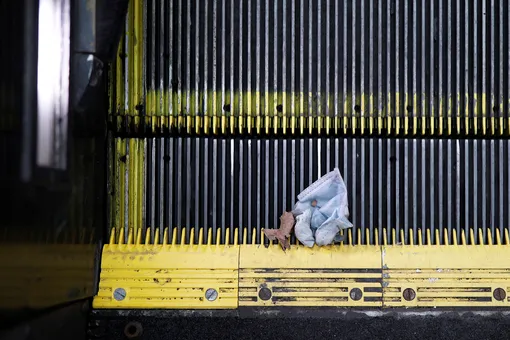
(326, 199)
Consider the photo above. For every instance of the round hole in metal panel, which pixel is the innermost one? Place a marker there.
(499, 294)
(356, 294)
(133, 330)
(409, 294)
(265, 293)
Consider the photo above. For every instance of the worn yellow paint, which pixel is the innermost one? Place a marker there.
(310, 276)
(450, 275)
(167, 274)
(128, 170)
(258, 111)
(120, 183)
(162, 273)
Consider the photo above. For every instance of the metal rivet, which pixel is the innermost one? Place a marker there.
(499, 294)
(265, 293)
(356, 294)
(119, 294)
(211, 294)
(409, 294)
(133, 330)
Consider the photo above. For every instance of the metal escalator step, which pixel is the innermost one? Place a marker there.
(403, 185)
(313, 67)
(141, 272)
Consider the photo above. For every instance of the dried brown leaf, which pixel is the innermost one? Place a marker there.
(286, 223)
(282, 234)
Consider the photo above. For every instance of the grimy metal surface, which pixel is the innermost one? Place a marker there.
(396, 184)
(414, 67)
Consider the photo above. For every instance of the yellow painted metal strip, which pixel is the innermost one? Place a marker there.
(179, 275)
(301, 257)
(168, 276)
(445, 276)
(167, 110)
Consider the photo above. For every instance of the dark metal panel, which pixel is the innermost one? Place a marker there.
(255, 323)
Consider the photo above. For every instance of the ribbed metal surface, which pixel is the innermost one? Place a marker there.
(278, 66)
(397, 184)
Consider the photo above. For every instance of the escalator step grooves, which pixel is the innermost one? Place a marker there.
(396, 184)
(420, 68)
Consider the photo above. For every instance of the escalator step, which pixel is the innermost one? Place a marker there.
(279, 67)
(402, 185)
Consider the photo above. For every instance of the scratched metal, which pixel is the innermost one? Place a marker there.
(394, 184)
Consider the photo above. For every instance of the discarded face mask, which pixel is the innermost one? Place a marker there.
(322, 211)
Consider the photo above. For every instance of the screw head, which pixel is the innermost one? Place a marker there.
(499, 294)
(119, 294)
(211, 294)
(356, 294)
(409, 294)
(265, 293)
